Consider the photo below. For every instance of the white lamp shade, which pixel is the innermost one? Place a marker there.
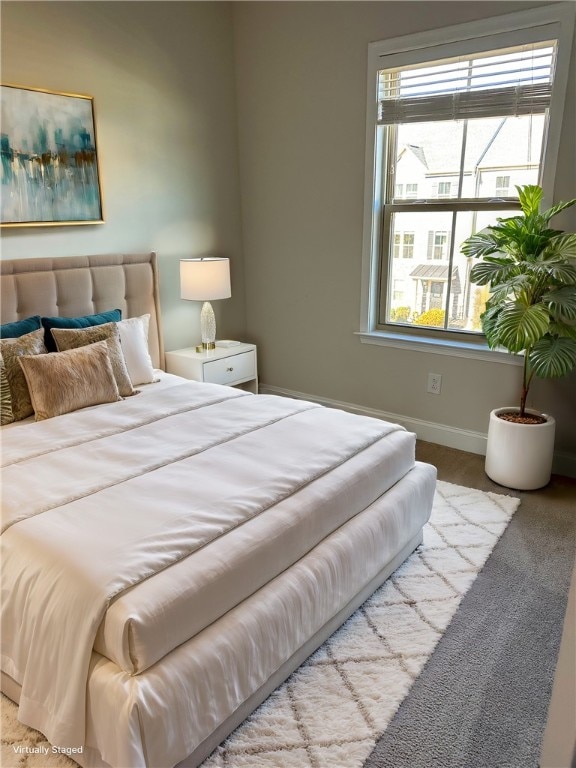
(205, 279)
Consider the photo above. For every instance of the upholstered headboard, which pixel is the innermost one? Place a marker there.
(70, 286)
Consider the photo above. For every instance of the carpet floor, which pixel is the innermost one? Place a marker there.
(333, 709)
(482, 700)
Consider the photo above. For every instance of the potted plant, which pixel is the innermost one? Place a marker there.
(531, 272)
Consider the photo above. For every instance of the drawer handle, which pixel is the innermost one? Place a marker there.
(229, 369)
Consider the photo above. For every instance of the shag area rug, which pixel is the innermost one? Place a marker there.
(332, 710)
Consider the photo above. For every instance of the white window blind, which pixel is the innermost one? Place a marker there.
(503, 83)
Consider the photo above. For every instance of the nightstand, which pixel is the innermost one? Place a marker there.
(233, 366)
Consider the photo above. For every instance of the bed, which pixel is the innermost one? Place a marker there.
(171, 557)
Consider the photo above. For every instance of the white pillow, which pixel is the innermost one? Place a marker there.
(134, 341)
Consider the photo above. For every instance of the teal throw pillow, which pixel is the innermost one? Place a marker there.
(20, 327)
(111, 316)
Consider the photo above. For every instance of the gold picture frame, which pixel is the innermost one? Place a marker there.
(49, 159)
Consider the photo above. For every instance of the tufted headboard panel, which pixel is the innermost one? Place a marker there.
(70, 286)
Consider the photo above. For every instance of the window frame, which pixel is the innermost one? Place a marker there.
(553, 21)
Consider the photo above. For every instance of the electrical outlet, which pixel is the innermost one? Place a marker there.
(434, 383)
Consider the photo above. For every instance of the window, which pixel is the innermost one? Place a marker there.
(412, 191)
(398, 294)
(484, 130)
(437, 245)
(502, 186)
(456, 124)
(444, 189)
(403, 245)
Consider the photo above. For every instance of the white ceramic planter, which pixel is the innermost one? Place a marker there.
(520, 455)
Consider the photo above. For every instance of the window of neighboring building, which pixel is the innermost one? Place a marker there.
(408, 250)
(477, 110)
(444, 189)
(403, 245)
(398, 294)
(502, 186)
(437, 245)
(411, 191)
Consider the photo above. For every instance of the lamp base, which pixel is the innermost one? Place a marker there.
(208, 326)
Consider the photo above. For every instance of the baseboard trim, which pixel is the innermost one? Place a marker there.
(429, 431)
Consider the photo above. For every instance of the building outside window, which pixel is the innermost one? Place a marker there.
(457, 126)
(502, 186)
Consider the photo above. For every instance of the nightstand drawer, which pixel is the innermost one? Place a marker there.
(231, 370)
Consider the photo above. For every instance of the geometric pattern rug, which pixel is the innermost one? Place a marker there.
(332, 710)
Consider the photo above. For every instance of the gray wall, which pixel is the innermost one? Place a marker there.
(162, 78)
(301, 75)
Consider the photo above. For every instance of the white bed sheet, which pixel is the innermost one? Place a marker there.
(159, 717)
(60, 576)
(150, 619)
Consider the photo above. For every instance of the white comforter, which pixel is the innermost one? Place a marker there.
(97, 501)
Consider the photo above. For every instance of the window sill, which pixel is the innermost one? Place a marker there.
(439, 347)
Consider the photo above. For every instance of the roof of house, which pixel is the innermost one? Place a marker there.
(437, 272)
(490, 142)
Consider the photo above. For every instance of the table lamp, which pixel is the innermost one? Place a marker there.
(205, 279)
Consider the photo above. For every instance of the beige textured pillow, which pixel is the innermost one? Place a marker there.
(66, 381)
(11, 350)
(72, 338)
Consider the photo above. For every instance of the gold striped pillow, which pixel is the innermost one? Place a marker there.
(6, 415)
(11, 350)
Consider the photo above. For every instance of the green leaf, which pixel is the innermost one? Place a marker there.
(530, 197)
(562, 302)
(553, 357)
(493, 271)
(520, 326)
(551, 212)
(535, 243)
(556, 270)
(489, 319)
(509, 231)
(501, 291)
(479, 245)
(522, 236)
(557, 328)
(561, 246)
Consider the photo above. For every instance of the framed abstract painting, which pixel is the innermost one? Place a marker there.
(50, 173)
